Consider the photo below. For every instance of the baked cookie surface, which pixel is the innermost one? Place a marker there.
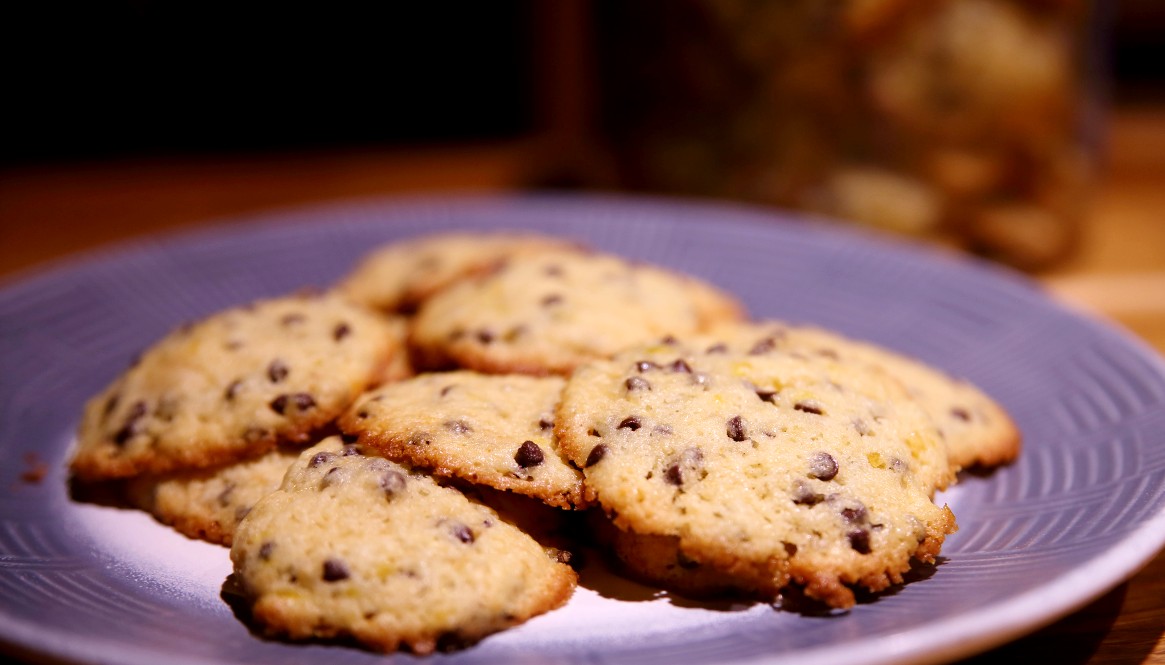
(399, 276)
(761, 464)
(362, 547)
(234, 385)
(494, 430)
(207, 504)
(547, 313)
(977, 429)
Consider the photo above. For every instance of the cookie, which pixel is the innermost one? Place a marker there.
(977, 430)
(762, 464)
(399, 276)
(547, 313)
(208, 504)
(234, 385)
(361, 547)
(493, 430)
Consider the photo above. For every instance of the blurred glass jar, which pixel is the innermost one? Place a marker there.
(972, 122)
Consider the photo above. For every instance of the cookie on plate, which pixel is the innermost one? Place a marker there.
(549, 312)
(361, 547)
(762, 465)
(977, 430)
(207, 504)
(493, 430)
(234, 385)
(400, 275)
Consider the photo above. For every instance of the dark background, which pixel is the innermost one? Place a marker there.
(129, 78)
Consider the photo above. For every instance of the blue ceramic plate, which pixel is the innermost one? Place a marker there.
(1081, 510)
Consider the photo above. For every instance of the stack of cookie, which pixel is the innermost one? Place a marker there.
(398, 460)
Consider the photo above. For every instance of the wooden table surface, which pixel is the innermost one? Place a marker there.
(48, 214)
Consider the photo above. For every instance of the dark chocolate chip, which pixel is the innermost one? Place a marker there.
(630, 422)
(790, 548)
(809, 406)
(528, 455)
(458, 426)
(681, 366)
(545, 424)
(341, 331)
(717, 348)
(636, 383)
(859, 540)
(110, 405)
(485, 336)
(670, 340)
(803, 494)
(596, 456)
(855, 514)
(232, 390)
(319, 458)
(293, 318)
(333, 476)
(961, 414)
(277, 370)
(132, 426)
(766, 395)
(763, 346)
(392, 482)
(224, 497)
(446, 389)
(822, 466)
(335, 570)
(686, 466)
(301, 401)
(552, 299)
(736, 429)
(645, 365)
(265, 550)
(462, 533)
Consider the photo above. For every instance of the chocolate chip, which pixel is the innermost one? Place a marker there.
(462, 533)
(810, 406)
(446, 389)
(961, 414)
(265, 550)
(645, 365)
(596, 456)
(636, 383)
(717, 348)
(485, 336)
(277, 370)
(855, 514)
(349, 439)
(132, 426)
(790, 548)
(335, 570)
(224, 497)
(301, 401)
(687, 465)
(392, 482)
(736, 430)
(458, 426)
(763, 346)
(293, 318)
(669, 340)
(110, 405)
(822, 466)
(528, 455)
(319, 458)
(232, 390)
(552, 299)
(545, 424)
(630, 422)
(803, 494)
(766, 395)
(681, 366)
(341, 331)
(859, 540)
